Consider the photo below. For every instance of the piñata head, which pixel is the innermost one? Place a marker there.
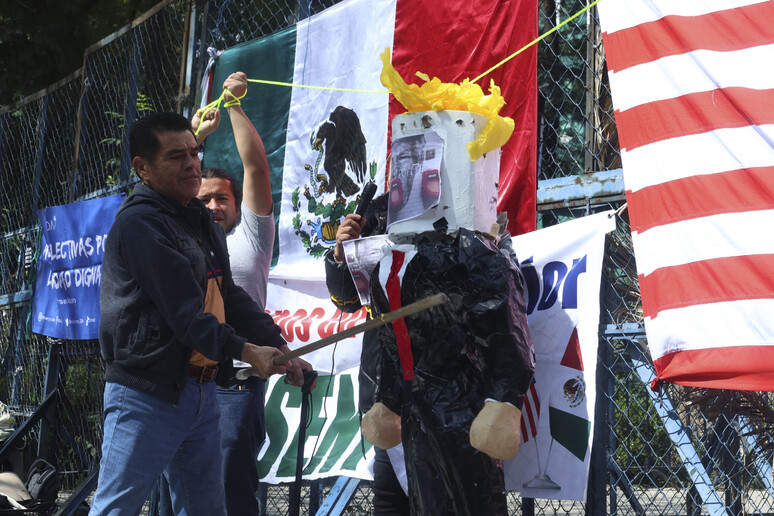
(433, 178)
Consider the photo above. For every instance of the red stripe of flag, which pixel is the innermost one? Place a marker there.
(573, 358)
(695, 113)
(736, 191)
(473, 37)
(530, 414)
(721, 31)
(737, 367)
(524, 434)
(709, 281)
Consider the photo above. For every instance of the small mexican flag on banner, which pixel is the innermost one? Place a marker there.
(568, 429)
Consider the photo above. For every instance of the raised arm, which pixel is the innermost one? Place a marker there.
(256, 189)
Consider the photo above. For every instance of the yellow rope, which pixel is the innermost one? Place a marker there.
(235, 101)
(215, 104)
(536, 40)
(292, 85)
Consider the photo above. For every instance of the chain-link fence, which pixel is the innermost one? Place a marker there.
(675, 451)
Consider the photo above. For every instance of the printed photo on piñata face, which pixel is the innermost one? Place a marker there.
(415, 177)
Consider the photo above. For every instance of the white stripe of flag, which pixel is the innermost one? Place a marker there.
(700, 70)
(700, 154)
(619, 15)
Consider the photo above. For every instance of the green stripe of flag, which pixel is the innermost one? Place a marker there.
(271, 58)
(570, 431)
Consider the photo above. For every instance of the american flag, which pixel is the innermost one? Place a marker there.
(693, 90)
(530, 413)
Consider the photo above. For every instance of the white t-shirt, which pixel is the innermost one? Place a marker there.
(250, 245)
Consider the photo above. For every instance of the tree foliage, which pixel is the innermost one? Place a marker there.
(43, 41)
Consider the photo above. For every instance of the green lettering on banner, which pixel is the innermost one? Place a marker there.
(276, 426)
(342, 430)
(329, 448)
(358, 453)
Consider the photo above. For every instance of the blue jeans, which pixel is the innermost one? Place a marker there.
(242, 432)
(145, 436)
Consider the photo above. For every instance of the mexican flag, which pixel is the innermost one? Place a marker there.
(571, 430)
(335, 55)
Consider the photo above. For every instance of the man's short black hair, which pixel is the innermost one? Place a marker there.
(219, 173)
(144, 134)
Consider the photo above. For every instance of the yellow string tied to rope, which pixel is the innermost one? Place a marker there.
(215, 104)
(235, 101)
(434, 95)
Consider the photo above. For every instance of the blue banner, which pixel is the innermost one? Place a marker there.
(66, 301)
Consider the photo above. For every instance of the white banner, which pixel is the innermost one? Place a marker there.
(305, 313)
(563, 267)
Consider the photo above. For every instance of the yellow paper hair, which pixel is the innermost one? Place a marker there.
(434, 95)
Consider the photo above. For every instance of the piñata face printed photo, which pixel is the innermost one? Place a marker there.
(415, 176)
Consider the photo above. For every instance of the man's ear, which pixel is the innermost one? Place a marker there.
(141, 166)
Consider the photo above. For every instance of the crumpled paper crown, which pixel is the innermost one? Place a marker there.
(434, 95)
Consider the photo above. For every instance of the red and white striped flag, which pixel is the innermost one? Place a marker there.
(693, 90)
(530, 413)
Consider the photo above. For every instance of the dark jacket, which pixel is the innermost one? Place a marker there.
(154, 281)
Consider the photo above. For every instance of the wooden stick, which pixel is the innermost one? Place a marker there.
(415, 307)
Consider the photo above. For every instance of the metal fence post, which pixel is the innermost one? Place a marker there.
(303, 9)
(597, 484)
(83, 98)
(680, 435)
(17, 334)
(49, 424)
(130, 108)
(40, 144)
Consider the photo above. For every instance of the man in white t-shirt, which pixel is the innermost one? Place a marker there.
(250, 243)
